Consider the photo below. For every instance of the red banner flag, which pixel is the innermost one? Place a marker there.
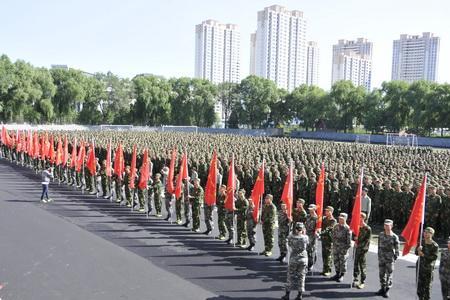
(108, 160)
(59, 152)
(211, 183)
(73, 158)
(356, 212)
(91, 164)
(65, 155)
(319, 196)
(182, 174)
(231, 187)
(133, 169)
(36, 146)
(169, 184)
(258, 192)
(51, 150)
(412, 228)
(6, 139)
(288, 191)
(30, 144)
(81, 157)
(119, 162)
(145, 172)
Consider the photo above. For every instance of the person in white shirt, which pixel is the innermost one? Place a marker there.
(366, 203)
(46, 176)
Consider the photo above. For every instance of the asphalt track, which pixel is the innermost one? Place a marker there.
(81, 247)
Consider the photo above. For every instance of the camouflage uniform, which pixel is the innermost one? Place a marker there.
(158, 190)
(283, 232)
(426, 265)
(362, 247)
(197, 201)
(169, 197)
(208, 211)
(327, 242)
(310, 225)
(241, 208)
(268, 218)
(299, 216)
(221, 216)
(104, 180)
(388, 252)
(298, 261)
(187, 188)
(178, 207)
(444, 273)
(251, 226)
(432, 210)
(341, 243)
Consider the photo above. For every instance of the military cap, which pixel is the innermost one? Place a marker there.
(301, 200)
(365, 189)
(299, 226)
(330, 208)
(429, 230)
(312, 206)
(343, 215)
(388, 222)
(363, 216)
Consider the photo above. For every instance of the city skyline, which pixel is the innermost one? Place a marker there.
(157, 38)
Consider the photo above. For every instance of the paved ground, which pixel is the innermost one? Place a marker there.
(80, 247)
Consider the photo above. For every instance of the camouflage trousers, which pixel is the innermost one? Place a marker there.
(340, 257)
(168, 204)
(208, 210)
(187, 210)
(296, 275)
(311, 250)
(445, 287)
(158, 204)
(141, 197)
(326, 256)
(128, 195)
(221, 216)
(241, 230)
(386, 271)
(268, 236)
(424, 283)
(360, 265)
(196, 215)
(178, 208)
(251, 232)
(105, 185)
(282, 239)
(229, 222)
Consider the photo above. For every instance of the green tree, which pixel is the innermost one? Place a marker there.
(398, 110)
(95, 95)
(227, 95)
(374, 112)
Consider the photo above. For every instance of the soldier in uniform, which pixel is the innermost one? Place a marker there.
(299, 213)
(126, 182)
(241, 209)
(168, 197)
(433, 207)
(428, 254)
(311, 222)
(341, 243)
(283, 231)
(362, 247)
(251, 226)
(158, 190)
(104, 180)
(187, 188)
(444, 271)
(298, 261)
(179, 205)
(388, 252)
(197, 202)
(268, 219)
(221, 212)
(328, 223)
(208, 211)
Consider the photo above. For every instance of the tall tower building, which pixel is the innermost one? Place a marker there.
(416, 57)
(352, 60)
(279, 52)
(217, 52)
(312, 64)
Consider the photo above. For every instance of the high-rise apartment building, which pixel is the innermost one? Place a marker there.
(312, 64)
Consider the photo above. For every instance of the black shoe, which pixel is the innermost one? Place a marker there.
(166, 219)
(335, 277)
(251, 247)
(229, 241)
(386, 293)
(207, 232)
(380, 292)
(340, 278)
(286, 296)
(299, 296)
(186, 224)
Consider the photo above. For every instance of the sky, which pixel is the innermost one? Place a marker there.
(158, 37)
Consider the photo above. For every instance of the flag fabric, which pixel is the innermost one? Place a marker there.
(108, 160)
(51, 150)
(91, 164)
(258, 192)
(356, 212)
(6, 139)
(231, 187)
(59, 152)
(143, 179)
(36, 145)
(65, 155)
(119, 163)
(182, 174)
(319, 196)
(412, 229)
(211, 183)
(81, 157)
(30, 144)
(288, 191)
(169, 184)
(73, 158)
(133, 169)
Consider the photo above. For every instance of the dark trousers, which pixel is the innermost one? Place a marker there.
(44, 191)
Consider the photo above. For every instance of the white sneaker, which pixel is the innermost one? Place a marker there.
(44, 201)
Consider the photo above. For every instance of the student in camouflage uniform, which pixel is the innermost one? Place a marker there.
(197, 202)
(311, 222)
(187, 188)
(433, 208)
(208, 212)
(241, 209)
(140, 193)
(150, 195)
(328, 223)
(126, 182)
(169, 198)
(444, 271)
(298, 261)
(341, 243)
(104, 180)
(388, 252)
(179, 205)
(158, 190)
(268, 220)
(251, 226)
(299, 213)
(221, 212)
(428, 254)
(362, 247)
(283, 231)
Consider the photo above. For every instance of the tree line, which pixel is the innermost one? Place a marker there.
(40, 95)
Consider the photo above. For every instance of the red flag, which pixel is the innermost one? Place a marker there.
(73, 159)
(108, 160)
(119, 162)
(36, 145)
(30, 144)
(356, 212)
(319, 196)
(143, 180)
(211, 183)
(182, 174)
(51, 150)
(231, 187)
(133, 169)
(59, 152)
(412, 229)
(81, 157)
(65, 155)
(19, 143)
(91, 163)
(169, 184)
(288, 191)
(258, 192)
(6, 139)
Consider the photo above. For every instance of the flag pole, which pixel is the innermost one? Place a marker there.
(421, 229)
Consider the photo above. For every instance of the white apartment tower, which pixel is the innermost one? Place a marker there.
(416, 57)
(312, 64)
(217, 52)
(278, 49)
